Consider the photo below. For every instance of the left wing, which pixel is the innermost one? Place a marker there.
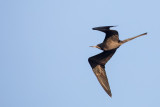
(97, 63)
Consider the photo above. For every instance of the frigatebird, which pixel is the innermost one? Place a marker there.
(109, 46)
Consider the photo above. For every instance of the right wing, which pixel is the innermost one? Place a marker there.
(97, 63)
(126, 40)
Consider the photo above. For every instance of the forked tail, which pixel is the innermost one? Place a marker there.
(126, 40)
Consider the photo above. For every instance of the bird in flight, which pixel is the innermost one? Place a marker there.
(109, 46)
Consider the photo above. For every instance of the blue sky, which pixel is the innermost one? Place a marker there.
(45, 48)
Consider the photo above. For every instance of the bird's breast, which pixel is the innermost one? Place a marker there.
(111, 44)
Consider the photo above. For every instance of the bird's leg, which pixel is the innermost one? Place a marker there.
(126, 40)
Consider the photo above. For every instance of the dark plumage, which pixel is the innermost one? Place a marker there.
(109, 46)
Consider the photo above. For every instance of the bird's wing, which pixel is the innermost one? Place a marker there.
(97, 63)
(111, 33)
(126, 40)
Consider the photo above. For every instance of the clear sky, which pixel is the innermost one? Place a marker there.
(44, 50)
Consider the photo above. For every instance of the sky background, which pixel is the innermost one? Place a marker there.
(44, 50)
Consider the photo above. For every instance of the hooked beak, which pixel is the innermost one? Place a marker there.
(93, 46)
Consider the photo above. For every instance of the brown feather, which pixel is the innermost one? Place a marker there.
(97, 63)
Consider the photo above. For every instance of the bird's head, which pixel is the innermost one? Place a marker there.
(103, 28)
(96, 47)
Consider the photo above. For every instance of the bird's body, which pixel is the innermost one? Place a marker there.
(109, 46)
(110, 42)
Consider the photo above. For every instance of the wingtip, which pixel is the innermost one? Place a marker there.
(145, 33)
(110, 94)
